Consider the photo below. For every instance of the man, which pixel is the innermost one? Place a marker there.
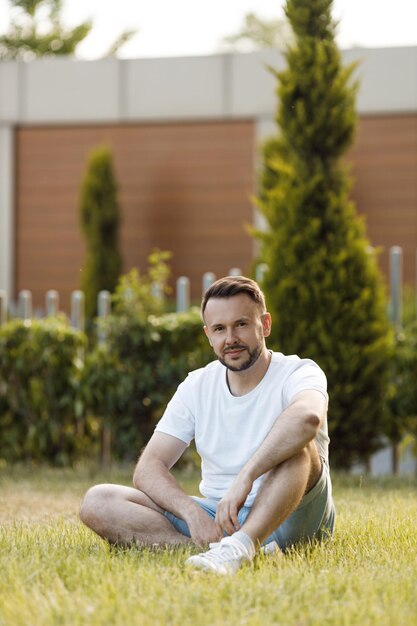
(259, 423)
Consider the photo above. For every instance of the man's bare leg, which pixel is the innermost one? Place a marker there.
(281, 492)
(125, 515)
(279, 496)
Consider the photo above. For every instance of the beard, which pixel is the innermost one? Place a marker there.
(252, 358)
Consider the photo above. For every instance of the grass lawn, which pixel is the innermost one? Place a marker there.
(55, 571)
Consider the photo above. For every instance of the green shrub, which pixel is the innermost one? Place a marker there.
(129, 380)
(409, 305)
(135, 295)
(40, 372)
(403, 401)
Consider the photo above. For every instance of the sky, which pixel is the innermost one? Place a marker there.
(194, 28)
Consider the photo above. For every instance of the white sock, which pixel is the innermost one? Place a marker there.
(244, 539)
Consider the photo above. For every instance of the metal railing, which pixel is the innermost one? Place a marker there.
(24, 308)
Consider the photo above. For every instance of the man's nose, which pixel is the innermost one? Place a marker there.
(231, 336)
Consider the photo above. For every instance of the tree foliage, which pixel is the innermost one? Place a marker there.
(403, 396)
(259, 33)
(323, 286)
(100, 219)
(37, 30)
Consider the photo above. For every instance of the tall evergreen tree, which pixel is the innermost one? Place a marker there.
(323, 286)
(100, 219)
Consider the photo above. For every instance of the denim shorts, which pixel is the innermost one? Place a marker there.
(313, 518)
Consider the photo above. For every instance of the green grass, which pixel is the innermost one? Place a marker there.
(55, 571)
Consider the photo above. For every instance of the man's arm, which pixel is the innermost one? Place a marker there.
(291, 433)
(152, 476)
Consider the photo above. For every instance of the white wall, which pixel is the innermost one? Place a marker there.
(6, 208)
(63, 90)
(388, 79)
(188, 88)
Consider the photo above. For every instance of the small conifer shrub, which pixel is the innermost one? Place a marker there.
(99, 214)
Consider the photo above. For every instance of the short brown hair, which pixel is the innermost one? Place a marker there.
(232, 286)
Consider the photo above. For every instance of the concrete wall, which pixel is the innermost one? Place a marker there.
(6, 208)
(218, 87)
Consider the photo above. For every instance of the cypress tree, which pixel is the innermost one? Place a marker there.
(323, 286)
(99, 213)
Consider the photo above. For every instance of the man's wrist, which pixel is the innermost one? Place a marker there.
(190, 511)
(247, 474)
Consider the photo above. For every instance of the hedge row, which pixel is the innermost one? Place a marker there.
(56, 391)
(41, 409)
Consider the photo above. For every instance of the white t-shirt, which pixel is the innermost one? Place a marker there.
(229, 429)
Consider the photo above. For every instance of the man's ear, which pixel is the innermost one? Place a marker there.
(266, 324)
(207, 335)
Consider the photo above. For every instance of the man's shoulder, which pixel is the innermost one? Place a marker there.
(297, 374)
(291, 362)
(286, 360)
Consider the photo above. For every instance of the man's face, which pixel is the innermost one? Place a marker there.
(236, 329)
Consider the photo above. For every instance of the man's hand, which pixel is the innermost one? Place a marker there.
(203, 529)
(231, 503)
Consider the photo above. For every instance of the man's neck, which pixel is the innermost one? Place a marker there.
(241, 383)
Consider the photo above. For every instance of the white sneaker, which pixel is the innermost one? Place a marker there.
(224, 557)
(271, 548)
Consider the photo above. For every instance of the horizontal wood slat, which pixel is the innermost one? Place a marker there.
(182, 187)
(384, 159)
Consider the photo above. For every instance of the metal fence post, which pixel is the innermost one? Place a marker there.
(260, 272)
(104, 310)
(25, 304)
(183, 294)
(396, 270)
(157, 290)
(396, 301)
(208, 280)
(52, 302)
(3, 307)
(77, 310)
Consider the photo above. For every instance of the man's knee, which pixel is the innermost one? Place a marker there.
(95, 501)
(302, 459)
(313, 464)
(309, 455)
(103, 504)
(306, 463)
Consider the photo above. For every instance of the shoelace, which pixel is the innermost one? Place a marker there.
(222, 552)
(270, 548)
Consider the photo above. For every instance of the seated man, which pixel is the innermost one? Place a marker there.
(259, 423)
